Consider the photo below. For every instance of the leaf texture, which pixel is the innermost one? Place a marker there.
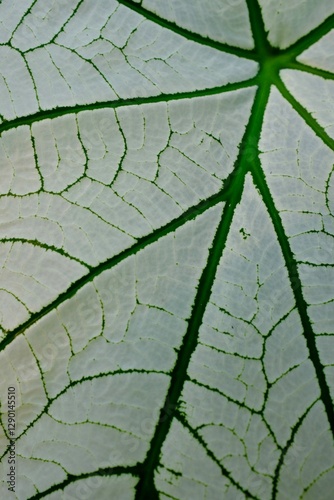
(166, 225)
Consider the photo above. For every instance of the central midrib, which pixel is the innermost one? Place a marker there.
(145, 487)
(268, 75)
(178, 377)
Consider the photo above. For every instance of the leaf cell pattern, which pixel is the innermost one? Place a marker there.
(167, 246)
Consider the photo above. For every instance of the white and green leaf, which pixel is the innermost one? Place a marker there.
(167, 249)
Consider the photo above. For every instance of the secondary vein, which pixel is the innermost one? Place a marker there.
(143, 242)
(296, 287)
(117, 103)
(146, 488)
(190, 35)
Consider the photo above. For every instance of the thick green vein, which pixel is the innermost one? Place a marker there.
(232, 192)
(311, 38)
(71, 478)
(262, 45)
(143, 242)
(146, 488)
(296, 287)
(327, 75)
(305, 115)
(190, 35)
(118, 103)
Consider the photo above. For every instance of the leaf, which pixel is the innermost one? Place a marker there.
(167, 204)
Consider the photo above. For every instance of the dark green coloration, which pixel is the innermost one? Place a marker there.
(109, 471)
(271, 61)
(65, 110)
(248, 54)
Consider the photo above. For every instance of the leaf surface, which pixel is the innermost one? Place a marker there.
(166, 298)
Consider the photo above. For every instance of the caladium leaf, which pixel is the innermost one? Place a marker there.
(167, 250)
